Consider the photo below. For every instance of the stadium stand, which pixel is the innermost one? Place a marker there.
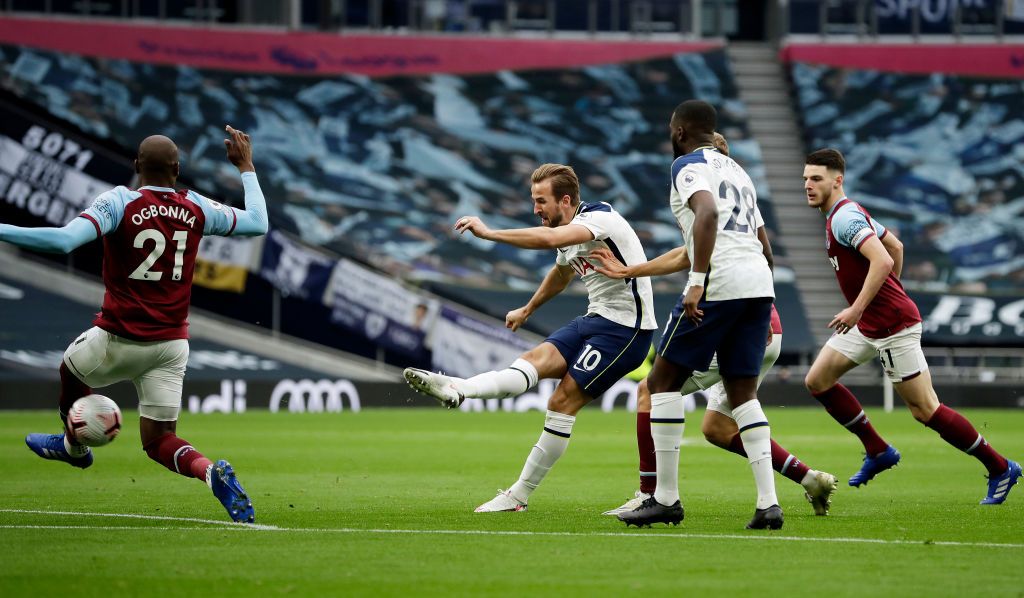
(936, 157)
(359, 160)
(376, 169)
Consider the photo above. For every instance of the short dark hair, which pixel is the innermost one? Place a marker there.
(697, 115)
(828, 157)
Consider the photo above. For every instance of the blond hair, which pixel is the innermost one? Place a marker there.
(563, 180)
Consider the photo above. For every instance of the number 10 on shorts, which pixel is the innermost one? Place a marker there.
(588, 359)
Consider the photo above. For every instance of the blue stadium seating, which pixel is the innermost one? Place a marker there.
(938, 158)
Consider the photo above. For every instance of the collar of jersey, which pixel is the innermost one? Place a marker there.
(834, 206)
(155, 188)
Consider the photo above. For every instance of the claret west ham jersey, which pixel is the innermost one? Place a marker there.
(150, 241)
(847, 227)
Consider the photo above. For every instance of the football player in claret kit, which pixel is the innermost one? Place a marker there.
(881, 321)
(150, 241)
(588, 354)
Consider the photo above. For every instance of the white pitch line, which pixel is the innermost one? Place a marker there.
(224, 525)
(127, 528)
(248, 526)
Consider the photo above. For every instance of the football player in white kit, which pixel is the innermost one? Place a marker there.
(588, 354)
(718, 426)
(725, 308)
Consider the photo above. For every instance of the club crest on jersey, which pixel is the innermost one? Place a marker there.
(688, 179)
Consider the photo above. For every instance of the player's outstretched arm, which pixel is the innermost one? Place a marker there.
(253, 221)
(536, 237)
(675, 260)
(894, 247)
(557, 278)
(66, 239)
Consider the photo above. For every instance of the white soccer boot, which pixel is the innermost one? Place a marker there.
(819, 486)
(438, 386)
(504, 501)
(630, 505)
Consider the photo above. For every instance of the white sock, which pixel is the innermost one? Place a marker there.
(757, 442)
(808, 477)
(516, 379)
(668, 417)
(551, 445)
(75, 450)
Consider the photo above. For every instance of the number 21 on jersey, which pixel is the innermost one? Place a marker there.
(143, 272)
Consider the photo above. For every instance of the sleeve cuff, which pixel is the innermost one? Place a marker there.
(234, 220)
(99, 233)
(864, 240)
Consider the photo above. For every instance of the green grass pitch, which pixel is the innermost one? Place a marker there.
(381, 503)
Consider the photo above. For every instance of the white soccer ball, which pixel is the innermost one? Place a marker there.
(94, 420)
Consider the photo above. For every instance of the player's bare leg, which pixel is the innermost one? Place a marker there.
(162, 444)
(668, 418)
(919, 396)
(823, 383)
(755, 435)
(564, 404)
(722, 431)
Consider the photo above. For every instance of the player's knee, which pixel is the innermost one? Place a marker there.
(920, 415)
(712, 433)
(814, 383)
(567, 403)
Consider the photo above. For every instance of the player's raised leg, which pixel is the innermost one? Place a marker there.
(450, 391)
(89, 349)
(841, 354)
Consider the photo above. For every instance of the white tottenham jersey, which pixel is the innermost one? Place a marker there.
(627, 301)
(738, 267)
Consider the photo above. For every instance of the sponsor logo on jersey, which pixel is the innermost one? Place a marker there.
(581, 266)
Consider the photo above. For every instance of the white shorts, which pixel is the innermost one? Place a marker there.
(900, 354)
(711, 382)
(157, 368)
